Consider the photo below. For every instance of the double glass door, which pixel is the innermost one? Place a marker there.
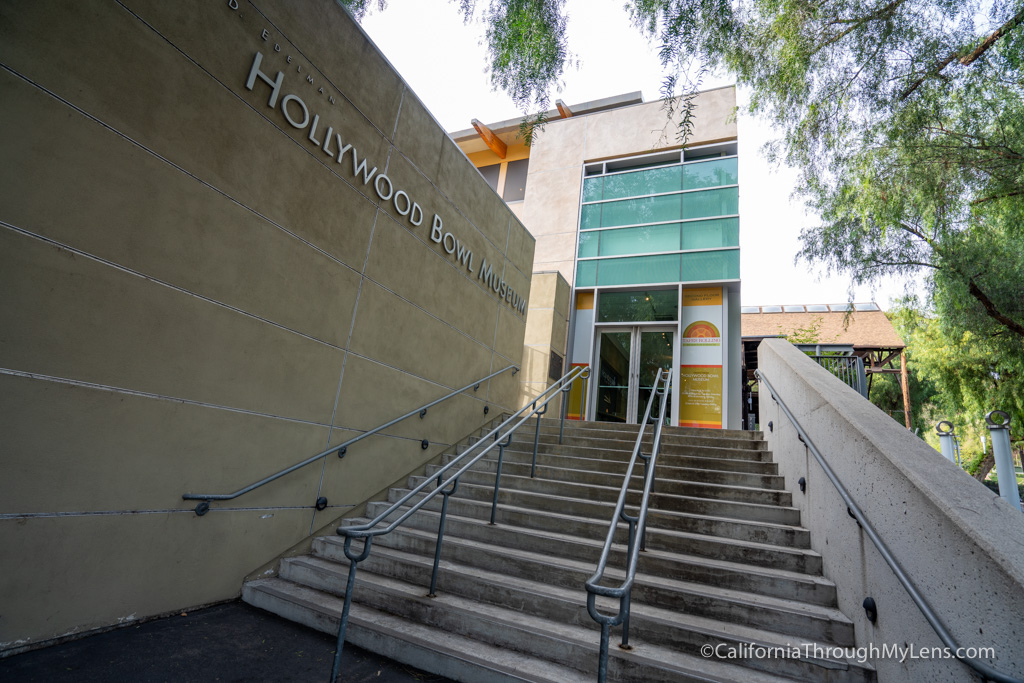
(628, 360)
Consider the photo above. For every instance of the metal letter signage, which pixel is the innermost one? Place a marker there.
(299, 116)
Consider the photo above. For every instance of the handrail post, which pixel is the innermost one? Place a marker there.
(624, 604)
(440, 537)
(1000, 435)
(624, 600)
(647, 466)
(946, 440)
(354, 561)
(536, 440)
(565, 409)
(497, 477)
(602, 666)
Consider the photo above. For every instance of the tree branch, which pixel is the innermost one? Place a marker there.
(939, 66)
(967, 59)
(993, 312)
(996, 196)
(878, 264)
(990, 41)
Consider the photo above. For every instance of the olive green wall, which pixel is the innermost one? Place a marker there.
(195, 294)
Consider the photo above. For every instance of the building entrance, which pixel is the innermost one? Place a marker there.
(628, 359)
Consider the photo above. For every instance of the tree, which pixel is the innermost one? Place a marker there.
(961, 380)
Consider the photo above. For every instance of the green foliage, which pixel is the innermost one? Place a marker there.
(963, 376)
(972, 463)
(528, 48)
(811, 334)
(527, 45)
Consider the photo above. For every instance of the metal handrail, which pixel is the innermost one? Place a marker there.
(983, 669)
(637, 528)
(368, 531)
(321, 503)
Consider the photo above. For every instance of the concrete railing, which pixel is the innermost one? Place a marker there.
(960, 544)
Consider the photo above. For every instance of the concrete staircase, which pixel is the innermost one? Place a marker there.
(727, 564)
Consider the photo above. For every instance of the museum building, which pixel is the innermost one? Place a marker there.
(637, 263)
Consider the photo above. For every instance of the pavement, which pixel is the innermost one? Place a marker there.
(231, 642)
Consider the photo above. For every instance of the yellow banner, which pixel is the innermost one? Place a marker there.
(577, 407)
(700, 396)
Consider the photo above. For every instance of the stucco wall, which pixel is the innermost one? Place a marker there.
(551, 208)
(197, 293)
(961, 545)
(547, 318)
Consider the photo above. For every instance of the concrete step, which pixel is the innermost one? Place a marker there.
(598, 515)
(419, 645)
(619, 454)
(493, 633)
(566, 606)
(627, 441)
(659, 499)
(745, 567)
(521, 465)
(726, 565)
(619, 466)
(783, 616)
(659, 504)
(598, 427)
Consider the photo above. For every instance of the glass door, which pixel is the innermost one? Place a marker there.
(613, 376)
(628, 360)
(655, 354)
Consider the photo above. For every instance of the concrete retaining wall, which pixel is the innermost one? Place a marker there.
(962, 545)
(202, 284)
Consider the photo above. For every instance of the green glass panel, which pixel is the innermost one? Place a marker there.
(592, 189)
(586, 273)
(660, 305)
(711, 203)
(591, 216)
(653, 181)
(636, 211)
(710, 174)
(711, 265)
(645, 240)
(712, 234)
(588, 243)
(638, 270)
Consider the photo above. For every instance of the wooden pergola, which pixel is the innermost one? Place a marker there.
(861, 326)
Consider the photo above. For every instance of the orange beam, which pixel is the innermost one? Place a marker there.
(563, 109)
(496, 144)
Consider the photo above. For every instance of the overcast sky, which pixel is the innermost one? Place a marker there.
(443, 61)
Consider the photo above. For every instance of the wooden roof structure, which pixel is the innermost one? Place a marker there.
(861, 329)
(862, 326)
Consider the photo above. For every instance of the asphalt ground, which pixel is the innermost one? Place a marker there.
(232, 642)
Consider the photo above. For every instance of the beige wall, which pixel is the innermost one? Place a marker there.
(197, 295)
(546, 329)
(551, 207)
(961, 545)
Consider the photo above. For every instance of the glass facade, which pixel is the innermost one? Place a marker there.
(673, 223)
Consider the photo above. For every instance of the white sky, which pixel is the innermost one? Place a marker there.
(443, 61)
